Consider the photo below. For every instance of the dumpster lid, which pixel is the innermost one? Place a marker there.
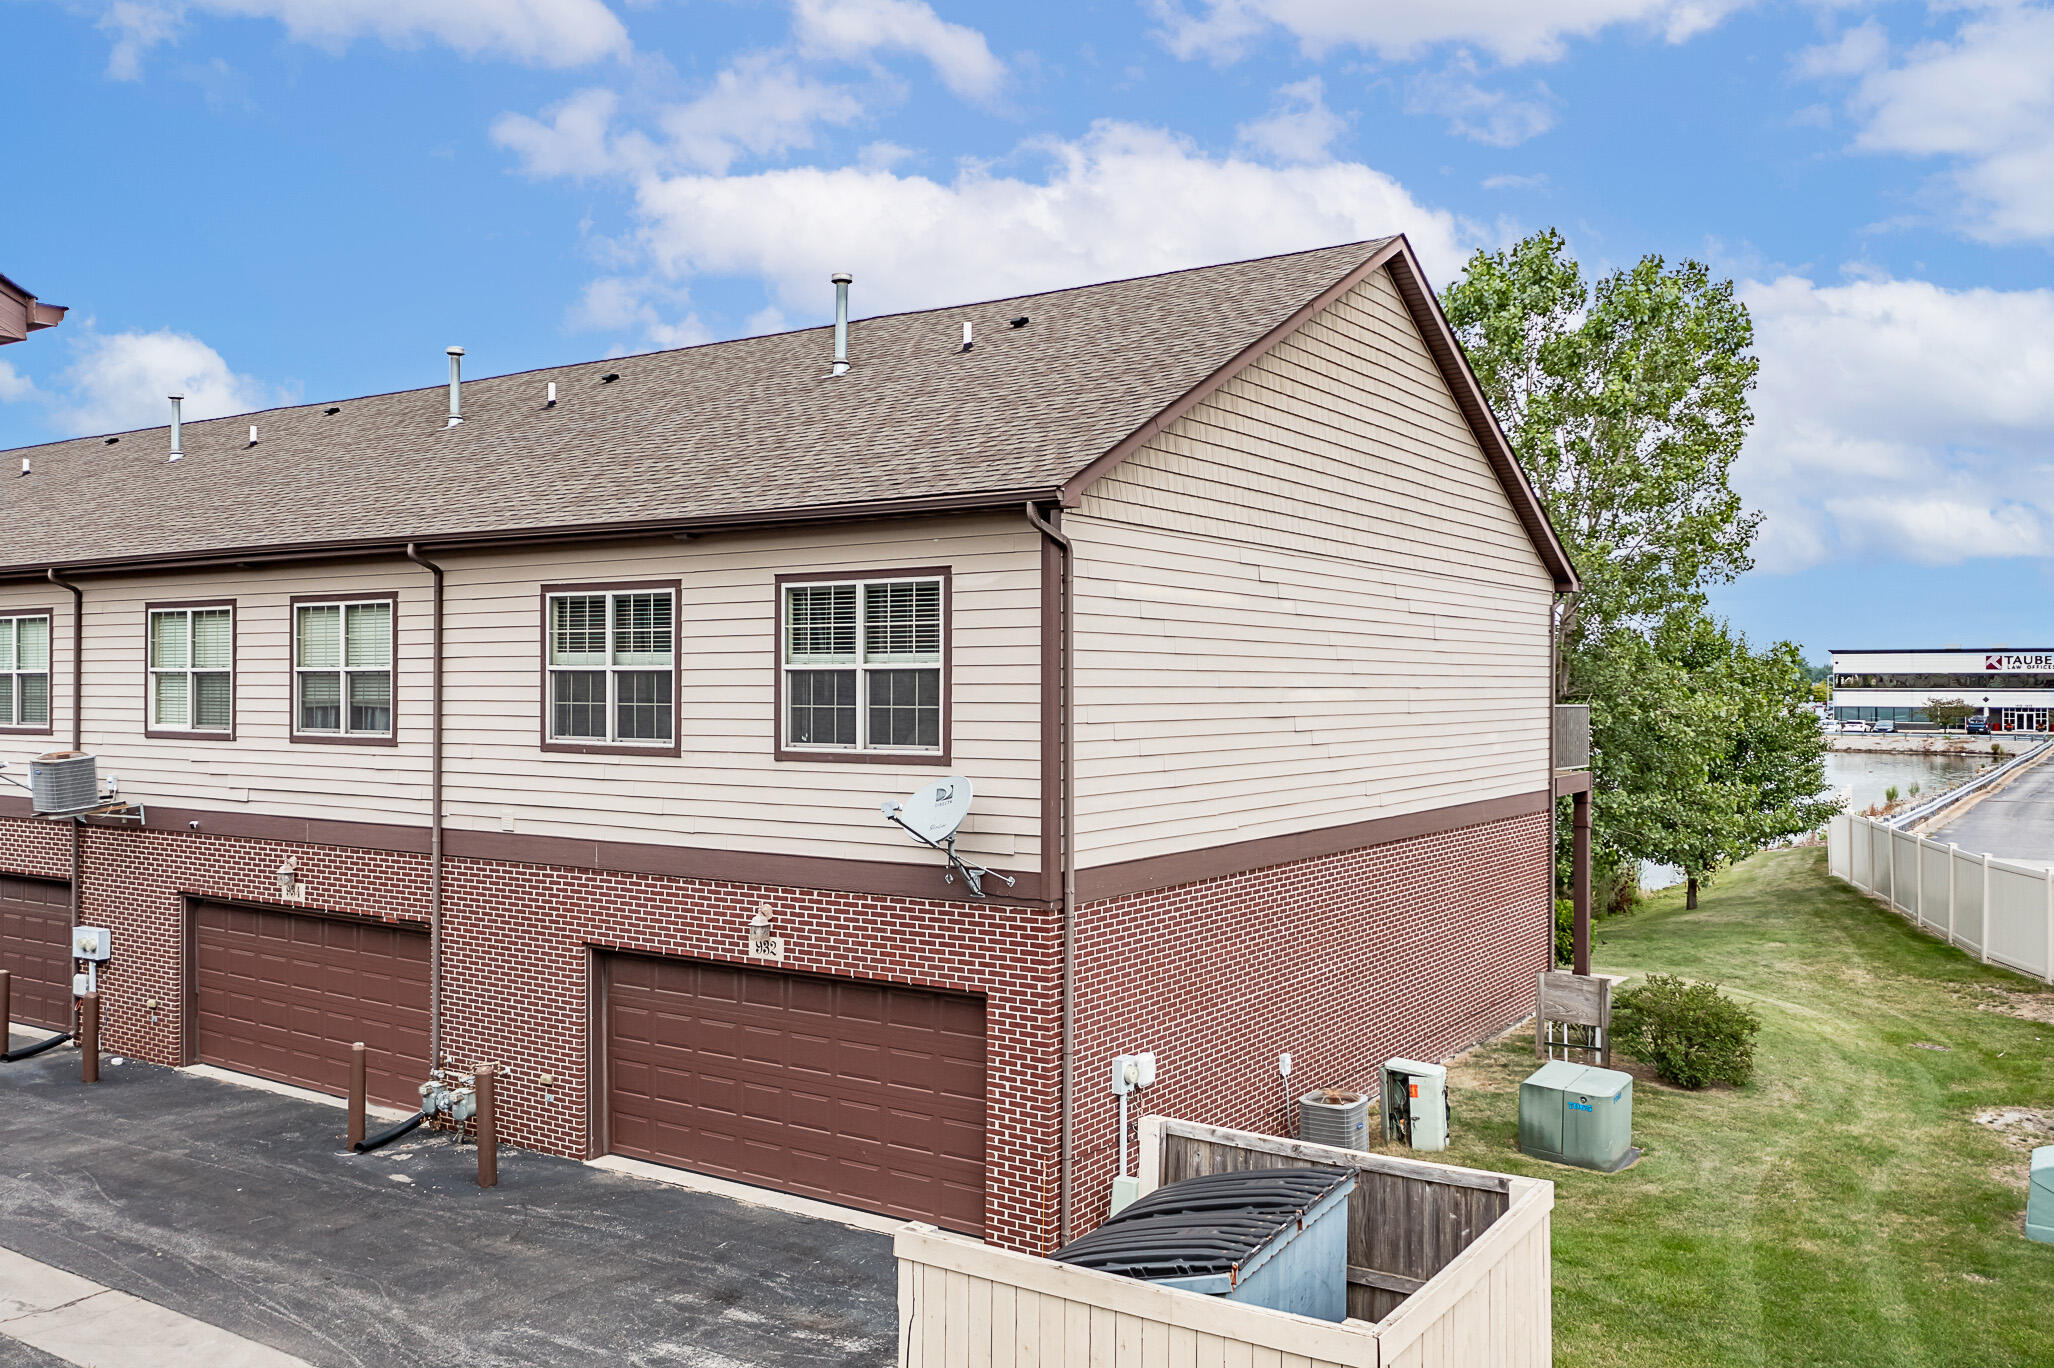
(1208, 1225)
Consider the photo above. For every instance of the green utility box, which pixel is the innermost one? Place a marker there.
(2039, 1201)
(1580, 1115)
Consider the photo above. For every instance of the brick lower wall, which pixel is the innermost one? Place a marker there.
(1417, 947)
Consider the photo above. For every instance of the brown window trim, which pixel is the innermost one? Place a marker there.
(234, 625)
(803, 754)
(677, 663)
(292, 670)
(48, 728)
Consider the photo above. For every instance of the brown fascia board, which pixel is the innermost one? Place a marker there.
(362, 548)
(1397, 256)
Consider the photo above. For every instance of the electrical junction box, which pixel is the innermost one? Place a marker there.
(1416, 1103)
(2039, 1202)
(91, 942)
(1578, 1115)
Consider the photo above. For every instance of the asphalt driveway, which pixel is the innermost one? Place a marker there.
(239, 1208)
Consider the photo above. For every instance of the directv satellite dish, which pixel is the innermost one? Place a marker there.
(934, 813)
(931, 816)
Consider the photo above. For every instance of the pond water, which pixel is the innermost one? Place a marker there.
(1869, 775)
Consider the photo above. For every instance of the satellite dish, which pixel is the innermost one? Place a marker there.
(934, 813)
(931, 817)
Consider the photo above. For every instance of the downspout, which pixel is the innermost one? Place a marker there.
(1066, 713)
(1554, 803)
(78, 719)
(434, 816)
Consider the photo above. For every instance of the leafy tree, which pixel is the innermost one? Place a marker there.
(1708, 752)
(1627, 403)
(1949, 713)
(1822, 692)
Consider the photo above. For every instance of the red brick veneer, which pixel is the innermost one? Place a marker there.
(1415, 947)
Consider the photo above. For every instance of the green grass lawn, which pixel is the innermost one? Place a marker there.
(1843, 1207)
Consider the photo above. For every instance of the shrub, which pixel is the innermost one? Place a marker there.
(1565, 930)
(1890, 794)
(1692, 1033)
(1912, 791)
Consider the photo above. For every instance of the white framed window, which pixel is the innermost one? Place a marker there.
(611, 667)
(342, 669)
(863, 664)
(192, 669)
(25, 672)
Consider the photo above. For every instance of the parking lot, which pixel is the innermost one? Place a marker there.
(239, 1208)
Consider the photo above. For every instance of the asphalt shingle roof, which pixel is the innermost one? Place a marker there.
(720, 432)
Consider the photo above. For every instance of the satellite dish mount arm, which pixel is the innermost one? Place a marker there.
(973, 874)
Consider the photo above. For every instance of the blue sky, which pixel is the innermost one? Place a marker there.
(259, 201)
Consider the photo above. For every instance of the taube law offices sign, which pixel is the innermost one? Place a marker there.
(2018, 662)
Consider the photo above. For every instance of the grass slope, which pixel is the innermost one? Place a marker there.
(1843, 1207)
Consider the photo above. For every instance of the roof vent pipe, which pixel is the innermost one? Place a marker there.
(177, 447)
(456, 385)
(841, 281)
(966, 336)
(253, 434)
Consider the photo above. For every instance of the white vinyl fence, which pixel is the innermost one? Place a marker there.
(1998, 911)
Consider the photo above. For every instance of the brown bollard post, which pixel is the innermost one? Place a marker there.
(358, 1088)
(488, 1127)
(89, 1038)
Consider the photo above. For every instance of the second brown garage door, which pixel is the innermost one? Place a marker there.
(866, 1094)
(35, 950)
(283, 994)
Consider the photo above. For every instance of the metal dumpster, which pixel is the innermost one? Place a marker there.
(1271, 1237)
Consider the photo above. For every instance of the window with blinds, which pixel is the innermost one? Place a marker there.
(192, 670)
(612, 667)
(863, 665)
(342, 669)
(25, 672)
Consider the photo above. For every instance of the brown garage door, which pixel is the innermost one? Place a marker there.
(35, 950)
(282, 995)
(867, 1094)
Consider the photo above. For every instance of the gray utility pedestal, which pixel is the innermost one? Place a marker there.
(1578, 1115)
(2039, 1202)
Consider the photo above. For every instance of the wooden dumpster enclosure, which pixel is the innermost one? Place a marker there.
(1448, 1268)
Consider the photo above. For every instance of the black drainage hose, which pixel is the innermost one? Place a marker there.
(390, 1134)
(31, 1051)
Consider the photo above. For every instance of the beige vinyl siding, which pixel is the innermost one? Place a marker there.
(725, 791)
(1308, 602)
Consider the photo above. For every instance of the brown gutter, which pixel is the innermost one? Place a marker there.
(219, 558)
(1066, 730)
(78, 718)
(434, 808)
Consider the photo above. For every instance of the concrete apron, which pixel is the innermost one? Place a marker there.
(78, 1321)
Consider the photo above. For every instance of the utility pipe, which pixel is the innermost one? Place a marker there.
(1066, 716)
(434, 815)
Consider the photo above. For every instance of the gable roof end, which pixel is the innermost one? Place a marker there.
(1397, 256)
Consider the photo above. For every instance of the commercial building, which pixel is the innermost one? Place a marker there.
(2012, 689)
(545, 720)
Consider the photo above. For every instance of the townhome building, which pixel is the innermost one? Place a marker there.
(546, 720)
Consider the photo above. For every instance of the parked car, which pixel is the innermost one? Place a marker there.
(1854, 726)
(1977, 726)
(1884, 727)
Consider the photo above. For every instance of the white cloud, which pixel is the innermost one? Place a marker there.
(120, 381)
(1123, 200)
(1510, 30)
(1984, 99)
(1537, 181)
(851, 30)
(1491, 117)
(554, 33)
(759, 106)
(14, 385)
(1896, 418)
(1298, 128)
